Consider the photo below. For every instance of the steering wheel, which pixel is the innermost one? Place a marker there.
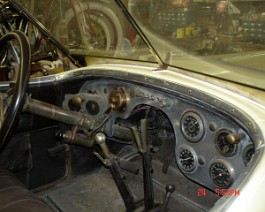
(18, 53)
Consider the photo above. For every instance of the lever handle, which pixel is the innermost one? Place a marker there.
(100, 139)
(170, 188)
(137, 139)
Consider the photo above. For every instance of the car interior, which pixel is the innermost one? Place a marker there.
(110, 138)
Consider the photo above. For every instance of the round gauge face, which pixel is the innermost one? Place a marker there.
(221, 174)
(186, 159)
(224, 148)
(192, 126)
(92, 107)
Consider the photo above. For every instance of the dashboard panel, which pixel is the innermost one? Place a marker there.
(211, 148)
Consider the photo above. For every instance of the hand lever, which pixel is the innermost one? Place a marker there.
(110, 161)
(170, 188)
(143, 148)
(100, 139)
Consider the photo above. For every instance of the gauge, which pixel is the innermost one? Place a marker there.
(75, 103)
(92, 107)
(192, 126)
(248, 153)
(186, 159)
(222, 145)
(222, 174)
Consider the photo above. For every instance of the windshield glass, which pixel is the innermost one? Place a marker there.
(93, 28)
(221, 38)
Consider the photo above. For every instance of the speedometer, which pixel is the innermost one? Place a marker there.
(192, 126)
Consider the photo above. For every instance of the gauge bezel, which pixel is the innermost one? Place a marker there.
(249, 147)
(217, 144)
(89, 107)
(229, 168)
(195, 159)
(186, 134)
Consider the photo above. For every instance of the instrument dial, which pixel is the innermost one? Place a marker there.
(186, 159)
(92, 107)
(222, 174)
(248, 153)
(192, 126)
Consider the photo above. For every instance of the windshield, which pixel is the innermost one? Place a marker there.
(221, 38)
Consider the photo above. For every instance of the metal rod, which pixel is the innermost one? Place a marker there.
(143, 129)
(137, 139)
(147, 168)
(56, 113)
(122, 186)
(112, 163)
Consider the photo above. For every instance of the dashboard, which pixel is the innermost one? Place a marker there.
(210, 147)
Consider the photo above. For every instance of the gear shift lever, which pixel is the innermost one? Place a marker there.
(170, 188)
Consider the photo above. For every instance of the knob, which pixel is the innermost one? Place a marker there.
(100, 138)
(170, 188)
(232, 138)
